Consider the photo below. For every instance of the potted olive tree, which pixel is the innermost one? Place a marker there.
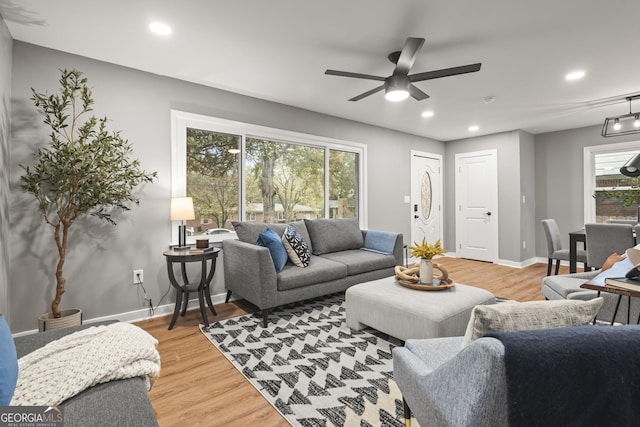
(85, 170)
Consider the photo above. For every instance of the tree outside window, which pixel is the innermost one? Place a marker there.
(617, 196)
(280, 181)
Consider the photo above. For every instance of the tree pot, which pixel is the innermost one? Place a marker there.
(70, 317)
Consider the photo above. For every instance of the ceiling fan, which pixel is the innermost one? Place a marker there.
(399, 85)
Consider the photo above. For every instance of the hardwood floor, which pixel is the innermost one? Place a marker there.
(198, 386)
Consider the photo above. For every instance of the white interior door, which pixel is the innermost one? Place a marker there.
(477, 205)
(426, 197)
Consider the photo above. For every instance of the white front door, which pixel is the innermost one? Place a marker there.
(477, 205)
(426, 197)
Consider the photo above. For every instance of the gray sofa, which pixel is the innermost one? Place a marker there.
(117, 403)
(569, 376)
(342, 255)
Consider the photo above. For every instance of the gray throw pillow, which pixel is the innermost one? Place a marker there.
(514, 316)
(248, 232)
(334, 235)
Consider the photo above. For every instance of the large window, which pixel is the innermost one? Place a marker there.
(609, 195)
(238, 171)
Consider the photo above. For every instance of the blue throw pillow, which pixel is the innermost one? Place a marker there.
(8, 364)
(270, 240)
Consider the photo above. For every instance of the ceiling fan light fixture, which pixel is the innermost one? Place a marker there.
(396, 88)
(396, 95)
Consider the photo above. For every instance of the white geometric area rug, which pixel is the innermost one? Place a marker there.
(311, 367)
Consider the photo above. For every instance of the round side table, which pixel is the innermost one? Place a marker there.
(185, 287)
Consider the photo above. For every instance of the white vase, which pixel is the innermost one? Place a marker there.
(426, 271)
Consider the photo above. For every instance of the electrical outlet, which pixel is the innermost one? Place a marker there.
(138, 276)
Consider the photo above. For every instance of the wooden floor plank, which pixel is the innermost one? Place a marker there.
(198, 386)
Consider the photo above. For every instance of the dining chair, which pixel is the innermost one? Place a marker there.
(605, 239)
(554, 247)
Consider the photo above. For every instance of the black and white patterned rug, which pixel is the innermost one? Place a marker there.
(313, 368)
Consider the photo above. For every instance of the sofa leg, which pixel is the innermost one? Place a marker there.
(407, 413)
(226, 300)
(265, 317)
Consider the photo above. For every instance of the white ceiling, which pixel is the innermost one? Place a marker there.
(279, 49)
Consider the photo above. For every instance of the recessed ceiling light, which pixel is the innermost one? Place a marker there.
(575, 75)
(427, 114)
(473, 128)
(160, 28)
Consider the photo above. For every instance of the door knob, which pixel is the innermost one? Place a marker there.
(488, 213)
(416, 217)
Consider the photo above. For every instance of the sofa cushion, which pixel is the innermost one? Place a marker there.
(514, 316)
(361, 261)
(296, 247)
(272, 241)
(8, 364)
(319, 270)
(333, 235)
(248, 231)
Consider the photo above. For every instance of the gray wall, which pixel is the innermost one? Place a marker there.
(559, 163)
(5, 112)
(507, 145)
(102, 257)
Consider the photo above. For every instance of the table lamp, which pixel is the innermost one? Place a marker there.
(182, 210)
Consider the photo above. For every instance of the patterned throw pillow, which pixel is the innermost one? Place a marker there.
(531, 315)
(296, 247)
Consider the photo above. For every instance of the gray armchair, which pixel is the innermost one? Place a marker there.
(446, 385)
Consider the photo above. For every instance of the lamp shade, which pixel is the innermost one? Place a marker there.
(182, 209)
(632, 167)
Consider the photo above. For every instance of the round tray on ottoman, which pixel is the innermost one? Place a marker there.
(437, 285)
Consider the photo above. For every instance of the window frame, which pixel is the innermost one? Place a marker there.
(589, 181)
(181, 120)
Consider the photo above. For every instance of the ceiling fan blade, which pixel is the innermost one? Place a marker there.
(408, 55)
(416, 93)
(445, 72)
(354, 75)
(364, 95)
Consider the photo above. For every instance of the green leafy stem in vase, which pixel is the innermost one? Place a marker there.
(425, 250)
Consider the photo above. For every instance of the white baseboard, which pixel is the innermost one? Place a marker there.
(142, 314)
(515, 264)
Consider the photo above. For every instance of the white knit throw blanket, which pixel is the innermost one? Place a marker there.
(65, 367)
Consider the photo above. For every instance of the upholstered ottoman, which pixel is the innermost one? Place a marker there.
(405, 313)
